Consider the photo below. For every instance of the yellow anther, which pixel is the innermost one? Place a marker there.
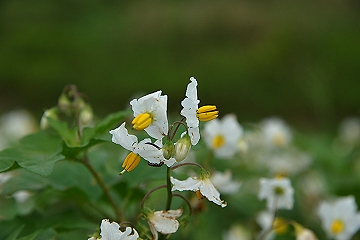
(207, 113)
(142, 121)
(130, 162)
(199, 195)
(337, 226)
(218, 141)
(280, 226)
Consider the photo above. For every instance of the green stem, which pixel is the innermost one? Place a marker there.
(104, 189)
(168, 187)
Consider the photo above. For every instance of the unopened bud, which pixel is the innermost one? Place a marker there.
(168, 150)
(182, 148)
(50, 113)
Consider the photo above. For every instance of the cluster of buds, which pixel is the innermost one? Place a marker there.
(150, 115)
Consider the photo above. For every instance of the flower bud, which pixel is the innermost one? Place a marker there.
(168, 150)
(50, 113)
(182, 148)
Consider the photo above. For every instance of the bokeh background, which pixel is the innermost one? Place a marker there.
(299, 60)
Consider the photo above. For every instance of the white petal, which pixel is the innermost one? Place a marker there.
(121, 136)
(165, 221)
(208, 190)
(190, 184)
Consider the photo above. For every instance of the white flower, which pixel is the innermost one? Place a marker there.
(340, 218)
(15, 125)
(288, 162)
(164, 222)
(144, 148)
(111, 231)
(202, 184)
(153, 107)
(278, 192)
(190, 107)
(224, 183)
(349, 130)
(276, 132)
(223, 135)
(193, 113)
(303, 233)
(21, 196)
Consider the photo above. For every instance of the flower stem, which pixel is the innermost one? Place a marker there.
(168, 187)
(103, 188)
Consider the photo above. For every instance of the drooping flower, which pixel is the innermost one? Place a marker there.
(278, 192)
(150, 114)
(193, 113)
(151, 152)
(163, 221)
(223, 182)
(201, 185)
(111, 231)
(340, 218)
(223, 136)
(276, 132)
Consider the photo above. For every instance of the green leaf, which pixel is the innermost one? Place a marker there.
(15, 234)
(36, 153)
(109, 121)
(91, 136)
(8, 157)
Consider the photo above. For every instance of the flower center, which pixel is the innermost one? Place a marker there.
(279, 139)
(218, 141)
(337, 226)
(142, 121)
(278, 191)
(207, 113)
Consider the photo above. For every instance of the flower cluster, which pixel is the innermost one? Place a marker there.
(161, 148)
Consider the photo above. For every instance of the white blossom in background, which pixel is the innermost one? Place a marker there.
(22, 196)
(224, 183)
(289, 162)
(15, 125)
(237, 232)
(265, 220)
(164, 222)
(201, 184)
(150, 112)
(340, 218)
(276, 132)
(349, 130)
(278, 192)
(223, 136)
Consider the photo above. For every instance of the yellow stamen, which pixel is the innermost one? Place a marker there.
(130, 162)
(337, 226)
(207, 113)
(142, 121)
(218, 141)
(280, 226)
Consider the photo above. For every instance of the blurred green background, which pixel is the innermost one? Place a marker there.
(296, 59)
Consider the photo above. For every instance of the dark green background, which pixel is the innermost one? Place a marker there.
(296, 59)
